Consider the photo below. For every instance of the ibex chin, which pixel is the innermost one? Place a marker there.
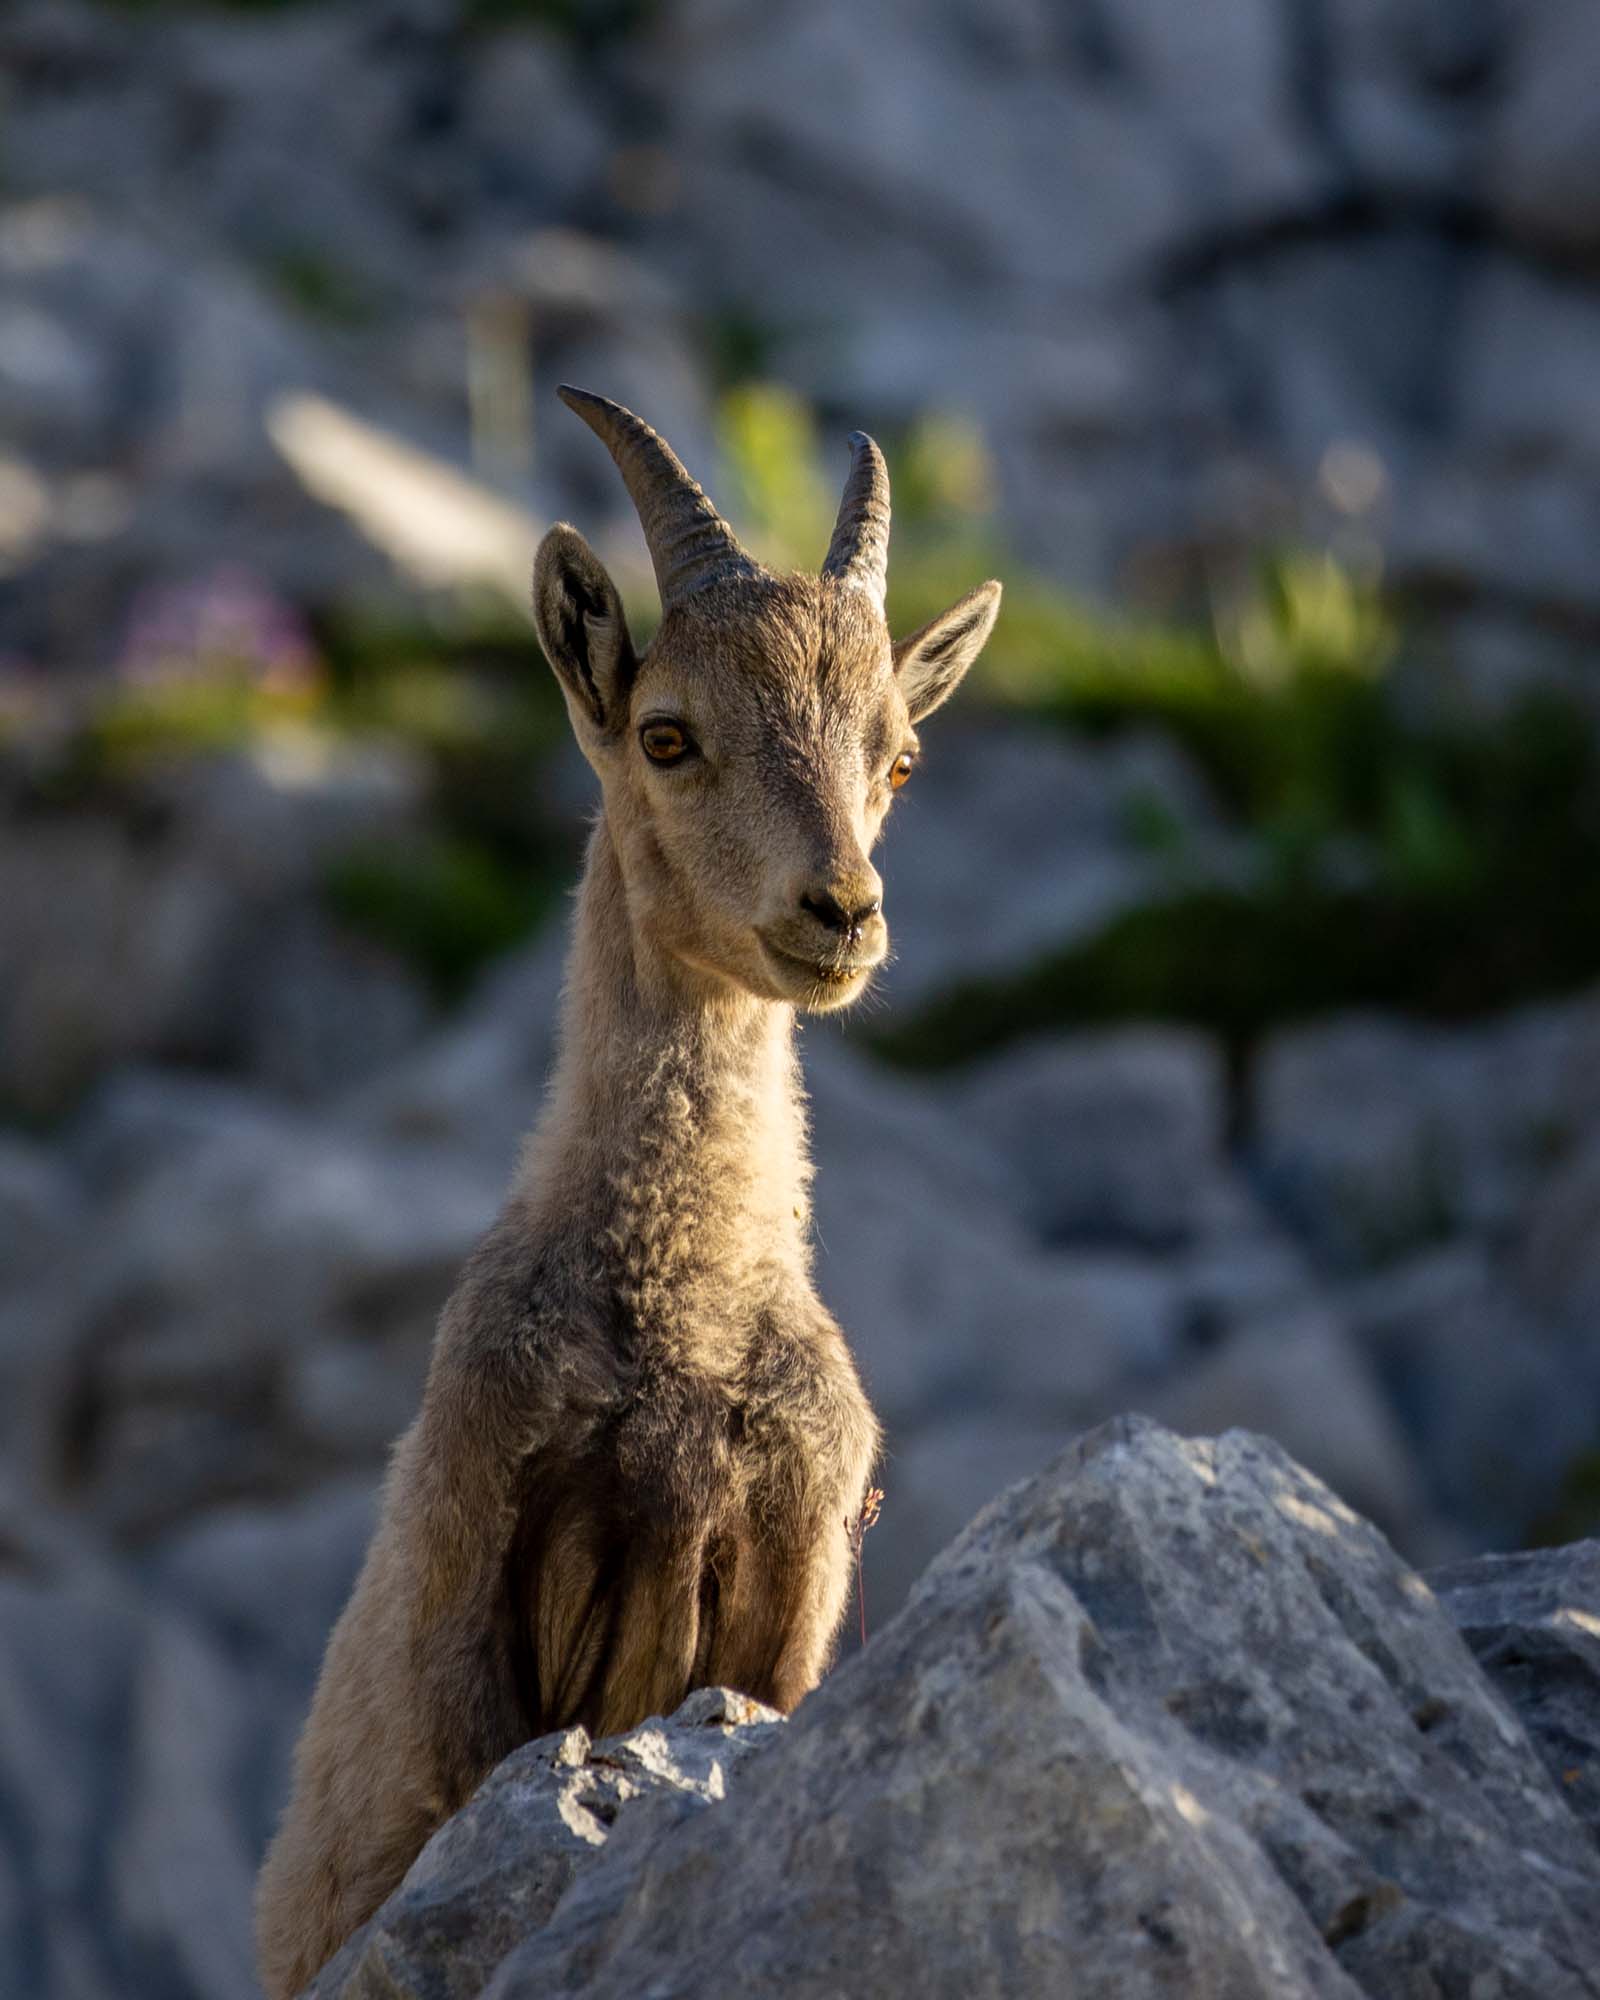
(643, 1440)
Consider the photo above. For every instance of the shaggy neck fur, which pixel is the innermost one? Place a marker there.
(671, 1161)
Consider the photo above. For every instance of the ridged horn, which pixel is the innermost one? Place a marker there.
(689, 542)
(859, 551)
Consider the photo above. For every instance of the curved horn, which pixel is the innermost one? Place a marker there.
(859, 551)
(689, 542)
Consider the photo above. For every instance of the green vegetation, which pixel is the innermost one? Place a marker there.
(738, 346)
(1574, 1516)
(446, 904)
(319, 287)
(470, 696)
(460, 690)
(133, 728)
(777, 492)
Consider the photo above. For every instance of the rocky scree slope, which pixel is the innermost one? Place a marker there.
(1167, 1719)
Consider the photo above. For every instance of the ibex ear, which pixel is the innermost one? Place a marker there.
(931, 662)
(581, 626)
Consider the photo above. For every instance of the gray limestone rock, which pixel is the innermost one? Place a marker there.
(497, 1871)
(1544, 140)
(257, 1308)
(1475, 1378)
(41, 1209)
(1379, 1135)
(1116, 1135)
(1559, 1263)
(1533, 1620)
(1167, 1719)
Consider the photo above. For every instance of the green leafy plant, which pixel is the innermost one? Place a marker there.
(317, 285)
(446, 904)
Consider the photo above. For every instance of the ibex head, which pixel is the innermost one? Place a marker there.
(749, 755)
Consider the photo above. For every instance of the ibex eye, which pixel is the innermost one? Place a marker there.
(900, 770)
(663, 742)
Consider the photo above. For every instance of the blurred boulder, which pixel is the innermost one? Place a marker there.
(268, 816)
(320, 1009)
(1302, 1381)
(170, 1369)
(110, 950)
(262, 1587)
(141, 1118)
(1114, 1136)
(146, 1722)
(41, 1210)
(266, 1584)
(65, 1663)
(1542, 159)
(1170, 262)
(83, 297)
(948, 1308)
(541, 133)
(1345, 1138)
(1494, 1402)
(1252, 1271)
(134, 369)
(1527, 390)
(1378, 1136)
(774, 118)
(1399, 91)
(181, 921)
(478, 1080)
(935, 1476)
(948, 1300)
(181, 1863)
(1341, 341)
(35, 1543)
(1559, 1260)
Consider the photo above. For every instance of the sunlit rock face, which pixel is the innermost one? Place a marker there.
(1167, 1719)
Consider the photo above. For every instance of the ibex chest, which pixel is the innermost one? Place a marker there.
(695, 1440)
(674, 1539)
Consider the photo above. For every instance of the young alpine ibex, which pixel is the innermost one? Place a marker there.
(642, 1439)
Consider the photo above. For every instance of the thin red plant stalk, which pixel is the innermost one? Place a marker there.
(871, 1507)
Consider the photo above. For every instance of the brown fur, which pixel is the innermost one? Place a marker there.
(642, 1434)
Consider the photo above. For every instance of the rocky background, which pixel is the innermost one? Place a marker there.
(1241, 1059)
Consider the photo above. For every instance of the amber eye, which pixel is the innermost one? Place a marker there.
(900, 770)
(663, 742)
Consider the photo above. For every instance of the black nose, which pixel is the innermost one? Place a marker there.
(832, 914)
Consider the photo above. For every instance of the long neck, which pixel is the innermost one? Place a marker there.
(671, 1161)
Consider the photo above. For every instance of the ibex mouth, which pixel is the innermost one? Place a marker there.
(829, 972)
(833, 976)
